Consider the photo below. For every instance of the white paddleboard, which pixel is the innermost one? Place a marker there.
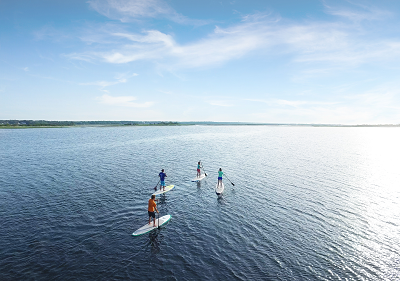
(219, 189)
(202, 176)
(167, 188)
(149, 227)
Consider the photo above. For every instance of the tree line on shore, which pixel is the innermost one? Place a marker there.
(45, 123)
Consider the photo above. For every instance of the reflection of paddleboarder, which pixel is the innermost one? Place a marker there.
(198, 169)
(220, 173)
(150, 209)
(162, 176)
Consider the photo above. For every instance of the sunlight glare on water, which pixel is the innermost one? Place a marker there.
(380, 198)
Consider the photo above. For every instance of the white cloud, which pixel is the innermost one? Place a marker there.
(220, 46)
(26, 69)
(126, 101)
(335, 44)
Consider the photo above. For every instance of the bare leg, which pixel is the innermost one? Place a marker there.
(149, 220)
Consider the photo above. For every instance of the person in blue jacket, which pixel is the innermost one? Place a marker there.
(162, 176)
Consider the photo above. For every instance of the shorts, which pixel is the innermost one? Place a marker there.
(162, 183)
(198, 170)
(219, 178)
(151, 214)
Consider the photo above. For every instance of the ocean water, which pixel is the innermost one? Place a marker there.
(308, 203)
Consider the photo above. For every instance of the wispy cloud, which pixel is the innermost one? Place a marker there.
(120, 78)
(220, 103)
(52, 33)
(126, 101)
(316, 115)
(104, 83)
(291, 103)
(377, 106)
(129, 10)
(357, 12)
(299, 103)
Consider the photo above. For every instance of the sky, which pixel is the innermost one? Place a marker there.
(281, 61)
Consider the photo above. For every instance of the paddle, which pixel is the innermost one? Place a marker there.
(155, 188)
(203, 169)
(158, 212)
(229, 180)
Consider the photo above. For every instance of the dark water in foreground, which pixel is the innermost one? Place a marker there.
(308, 203)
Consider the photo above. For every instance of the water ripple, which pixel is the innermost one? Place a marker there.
(307, 204)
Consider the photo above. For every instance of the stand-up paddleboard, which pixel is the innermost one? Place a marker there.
(202, 176)
(149, 227)
(167, 188)
(219, 189)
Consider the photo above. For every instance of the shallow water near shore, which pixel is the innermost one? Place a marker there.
(307, 203)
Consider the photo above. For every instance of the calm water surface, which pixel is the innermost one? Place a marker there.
(308, 203)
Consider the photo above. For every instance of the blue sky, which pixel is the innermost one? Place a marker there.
(252, 61)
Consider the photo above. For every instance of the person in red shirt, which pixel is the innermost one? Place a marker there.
(151, 208)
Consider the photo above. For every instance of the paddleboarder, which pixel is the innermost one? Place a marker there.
(150, 209)
(162, 176)
(220, 173)
(198, 169)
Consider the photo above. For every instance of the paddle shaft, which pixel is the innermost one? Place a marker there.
(204, 170)
(158, 212)
(229, 180)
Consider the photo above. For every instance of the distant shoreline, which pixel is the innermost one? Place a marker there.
(27, 124)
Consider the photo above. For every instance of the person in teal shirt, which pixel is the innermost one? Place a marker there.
(220, 173)
(198, 169)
